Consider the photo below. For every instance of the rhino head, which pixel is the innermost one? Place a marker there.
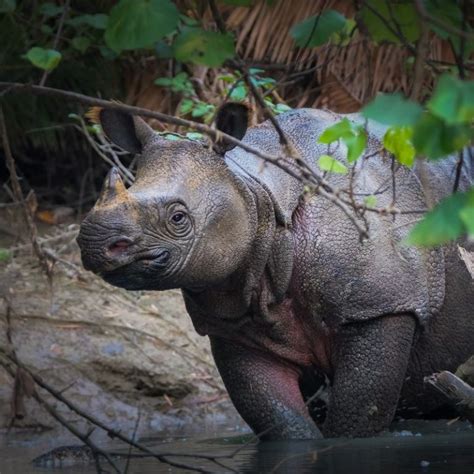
(186, 222)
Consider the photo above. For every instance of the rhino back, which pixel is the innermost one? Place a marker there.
(338, 275)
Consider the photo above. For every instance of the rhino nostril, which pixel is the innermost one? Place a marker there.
(119, 246)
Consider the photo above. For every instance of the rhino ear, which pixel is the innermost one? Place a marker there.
(232, 118)
(127, 131)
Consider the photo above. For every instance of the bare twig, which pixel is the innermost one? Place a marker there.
(112, 433)
(57, 37)
(47, 406)
(292, 165)
(459, 166)
(18, 194)
(421, 53)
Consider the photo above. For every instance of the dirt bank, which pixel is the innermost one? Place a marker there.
(117, 353)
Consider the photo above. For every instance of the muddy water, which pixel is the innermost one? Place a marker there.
(413, 447)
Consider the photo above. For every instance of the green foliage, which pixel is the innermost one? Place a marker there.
(328, 163)
(203, 47)
(450, 14)
(352, 135)
(387, 21)
(7, 6)
(81, 43)
(344, 36)
(392, 109)
(435, 139)
(46, 59)
(98, 21)
(5, 255)
(370, 201)
(398, 140)
(135, 24)
(179, 83)
(448, 221)
(317, 30)
(95, 38)
(453, 100)
(236, 90)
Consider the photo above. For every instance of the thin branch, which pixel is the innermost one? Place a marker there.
(422, 49)
(46, 405)
(436, 21)
(261, 102)
(217, 17)
(459, 166)
(18, 194)
(292, 165)
(57, 37)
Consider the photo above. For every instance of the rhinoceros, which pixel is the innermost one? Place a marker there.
(279, 279)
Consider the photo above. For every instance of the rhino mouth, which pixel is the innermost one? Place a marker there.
(141, 273)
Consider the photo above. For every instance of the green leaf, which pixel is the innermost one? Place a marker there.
(392, 109)
(201, 108)
(317, 30)
(179, 83)
(444, 222)
(336, 131)
(370, 201)
(397, 140)
(46, 29)
(467, 216)
(203, 47)
(281, 108)
(453, 100)
(50, 9)
(355, 145)
(238, 93)
(186, 106)
(352, 135)
(434, 139)
(172, 137)
(46, 59)
(7, 6)
(98, 21)
(344, 36)
(81, 43)
(5, 255)
(383, 25)
(328, 163)
(135, 24)
(196, 136)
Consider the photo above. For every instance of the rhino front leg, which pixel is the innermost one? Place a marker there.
(370, 368)
(265, 392)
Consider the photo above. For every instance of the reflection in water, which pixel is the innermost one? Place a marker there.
(405, 451)
(452, 454)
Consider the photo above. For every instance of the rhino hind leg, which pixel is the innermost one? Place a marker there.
(371, 361)
(265, 392)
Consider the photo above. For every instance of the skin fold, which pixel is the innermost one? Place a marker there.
(279, 279)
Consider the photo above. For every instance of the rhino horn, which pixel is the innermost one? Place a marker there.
(113, 190)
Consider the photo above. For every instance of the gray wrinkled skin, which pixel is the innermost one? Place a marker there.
(280, 280)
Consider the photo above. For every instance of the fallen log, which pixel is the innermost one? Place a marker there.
(458, 393)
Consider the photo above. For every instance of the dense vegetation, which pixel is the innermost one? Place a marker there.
(84, 46)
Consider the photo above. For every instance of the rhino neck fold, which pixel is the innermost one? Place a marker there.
(261, 280)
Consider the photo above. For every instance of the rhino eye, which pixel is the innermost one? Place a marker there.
(178, 217)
